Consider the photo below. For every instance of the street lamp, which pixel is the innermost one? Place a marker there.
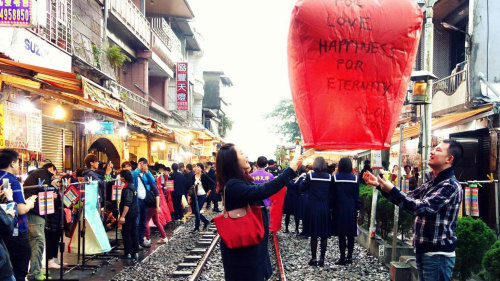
(420, 79)
(454, 28)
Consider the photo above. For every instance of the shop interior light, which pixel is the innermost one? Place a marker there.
(162, 146)
(123, 132)
(27, 106)
(92, 126)
(59, 112)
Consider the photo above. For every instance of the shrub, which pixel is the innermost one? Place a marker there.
(474, 238)
(385, 213)
(491, 261)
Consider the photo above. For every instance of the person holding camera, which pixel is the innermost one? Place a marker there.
(17, 241)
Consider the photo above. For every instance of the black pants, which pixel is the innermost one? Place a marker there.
(130, 236)
(178, 213)
(20, 254)
(52, 243)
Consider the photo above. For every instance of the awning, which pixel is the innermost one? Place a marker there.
(99, 94)
(55, 79)
(135, 120)
(443, 122)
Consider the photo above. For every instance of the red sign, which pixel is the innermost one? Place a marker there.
(349, 63)
(182, 86)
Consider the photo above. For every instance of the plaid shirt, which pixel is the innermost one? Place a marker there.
(436, 204)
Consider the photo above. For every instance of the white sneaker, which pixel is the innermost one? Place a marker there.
(162, 241)
(148, 241)
(53, 264)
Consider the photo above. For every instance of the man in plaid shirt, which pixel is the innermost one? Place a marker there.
(436, 204)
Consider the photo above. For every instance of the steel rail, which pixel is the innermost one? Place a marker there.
(278, 257)
(197, 272)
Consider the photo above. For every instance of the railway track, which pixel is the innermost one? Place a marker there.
(279, 261)
(196, 258)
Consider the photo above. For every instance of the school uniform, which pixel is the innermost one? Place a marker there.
(317, 215)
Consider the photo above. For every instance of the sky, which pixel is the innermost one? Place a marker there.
(248, 40)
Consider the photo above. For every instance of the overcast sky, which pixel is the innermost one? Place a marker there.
(247, 40)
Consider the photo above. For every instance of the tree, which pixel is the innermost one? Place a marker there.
(284, 119)
(224, 125)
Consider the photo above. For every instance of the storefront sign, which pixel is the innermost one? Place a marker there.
(21, 130)
(15, 13)
(2, 131)
(376, 159)
(24, 46)
(106, 128)
(34, 130)
(182, 86)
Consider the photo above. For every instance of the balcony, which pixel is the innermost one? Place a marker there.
(451, 93)
(136, 102)
(450, 84)
(165, 43)
(127, 13)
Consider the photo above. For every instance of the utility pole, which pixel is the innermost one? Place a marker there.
(428, 65)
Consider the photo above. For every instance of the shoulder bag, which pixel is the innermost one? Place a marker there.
(242, 227)
(150, 199)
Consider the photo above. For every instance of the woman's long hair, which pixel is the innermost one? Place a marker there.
(227, 166)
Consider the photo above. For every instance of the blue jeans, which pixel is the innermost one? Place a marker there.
(434, 268)
(141, 220)
(196, 206)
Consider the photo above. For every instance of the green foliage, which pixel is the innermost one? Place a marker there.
(285, 121)
(385, 213)
(116, 57)
(224, 125)
(97, 55)
(491, 262)
(474, 238)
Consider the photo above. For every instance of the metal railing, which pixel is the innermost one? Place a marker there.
(58, 26)
(134, 101)
(450, 84)
(167, 36)
(128, 12)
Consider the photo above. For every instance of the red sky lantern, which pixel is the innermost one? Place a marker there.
(349, 64)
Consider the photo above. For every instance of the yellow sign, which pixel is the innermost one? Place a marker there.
(2, 132)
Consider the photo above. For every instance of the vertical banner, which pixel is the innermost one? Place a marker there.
(182, 86)
(467, 200)
(117, 192)
(474, 211)
(46, 205)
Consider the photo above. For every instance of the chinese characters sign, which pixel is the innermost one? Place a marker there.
(15, 12)
(182, 86)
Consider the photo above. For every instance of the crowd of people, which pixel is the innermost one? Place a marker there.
(323, 199)
(145, 196)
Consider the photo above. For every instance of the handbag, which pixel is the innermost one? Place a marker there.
(242, 227)
(150, 199)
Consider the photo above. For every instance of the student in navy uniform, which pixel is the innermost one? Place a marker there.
(214, 197)
(291, 204)
(317, 216)
(249, 263)
(345, 204)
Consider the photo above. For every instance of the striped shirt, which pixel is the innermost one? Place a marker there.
(435, 204)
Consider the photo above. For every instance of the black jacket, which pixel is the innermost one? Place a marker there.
(129, 199)
(32, 179)
(6, 228)
(179, 183)
(251, 263)
(206, 181)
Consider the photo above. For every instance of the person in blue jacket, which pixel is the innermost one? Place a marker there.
(345, 203)
(249, 263)
(143, 182)
(317, 217)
